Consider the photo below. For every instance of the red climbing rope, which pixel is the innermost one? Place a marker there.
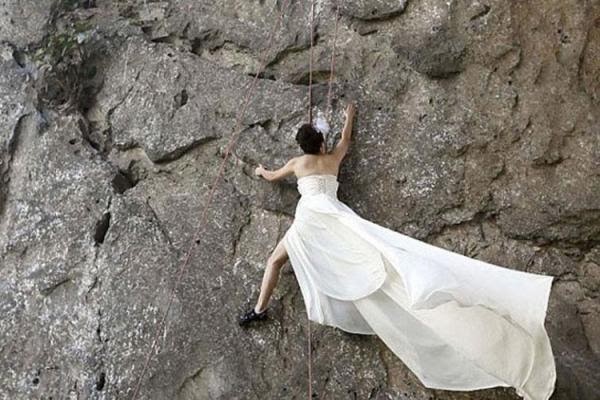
(332, 69)
(309, 360)
(332, 64)
(210, 196)
(310, 119)
(310, 62)
(228, 149)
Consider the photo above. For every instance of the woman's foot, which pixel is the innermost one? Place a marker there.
(252, 315)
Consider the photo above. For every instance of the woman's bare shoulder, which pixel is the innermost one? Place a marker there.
(308, 164)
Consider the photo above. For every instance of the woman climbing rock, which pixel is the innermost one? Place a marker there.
(457, 322)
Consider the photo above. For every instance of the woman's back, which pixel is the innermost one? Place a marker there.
(315, 164)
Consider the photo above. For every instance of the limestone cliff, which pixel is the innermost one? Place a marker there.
(477, 130)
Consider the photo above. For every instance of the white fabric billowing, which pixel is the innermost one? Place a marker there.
(458, 323)
(321, 124)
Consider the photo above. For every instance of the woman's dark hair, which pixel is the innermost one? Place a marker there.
(309, 139)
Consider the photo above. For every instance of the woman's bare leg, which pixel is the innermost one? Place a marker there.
(275, 262)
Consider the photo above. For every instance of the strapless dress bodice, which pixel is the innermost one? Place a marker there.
(311, 185)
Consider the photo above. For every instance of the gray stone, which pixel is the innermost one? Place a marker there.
(432, 41)
(25, 22)
(13, 108)
(476, 131)
(195, 100)
(369, 10)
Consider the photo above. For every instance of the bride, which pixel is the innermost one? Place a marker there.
(315, 161)
(456, 322)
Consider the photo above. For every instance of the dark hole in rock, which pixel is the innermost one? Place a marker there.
(88, 93)
(486, 9)
(72, 141)
(92, 142)
(181, 98)
(121, 182)
(263, 75)
(19, 57)
(35, 381)
(196, 46)
(101, 381)
(101, 228)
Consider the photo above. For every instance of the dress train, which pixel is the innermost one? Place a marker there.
(456, 322)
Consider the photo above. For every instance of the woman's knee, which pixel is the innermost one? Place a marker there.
(275, 262)
(279, 256)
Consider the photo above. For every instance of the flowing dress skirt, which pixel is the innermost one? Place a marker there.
(456, 322)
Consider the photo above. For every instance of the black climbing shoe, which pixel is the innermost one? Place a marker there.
(252, 316)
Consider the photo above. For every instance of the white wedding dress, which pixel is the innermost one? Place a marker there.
(458, 323)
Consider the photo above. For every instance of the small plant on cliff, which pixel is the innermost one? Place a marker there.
(62, 62)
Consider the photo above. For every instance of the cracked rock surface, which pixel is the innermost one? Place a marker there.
(477, 130)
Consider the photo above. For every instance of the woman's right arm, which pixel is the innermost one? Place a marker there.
(341, 148)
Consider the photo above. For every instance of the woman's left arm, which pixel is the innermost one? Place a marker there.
(286, 170)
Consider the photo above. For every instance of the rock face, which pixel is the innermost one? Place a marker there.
(478, 121)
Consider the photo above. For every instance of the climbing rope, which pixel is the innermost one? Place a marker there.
(310, 119)
(196, 241)
(310, 60)
(309, 359)
(332, 63)
(329, 110)
(228, 151)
